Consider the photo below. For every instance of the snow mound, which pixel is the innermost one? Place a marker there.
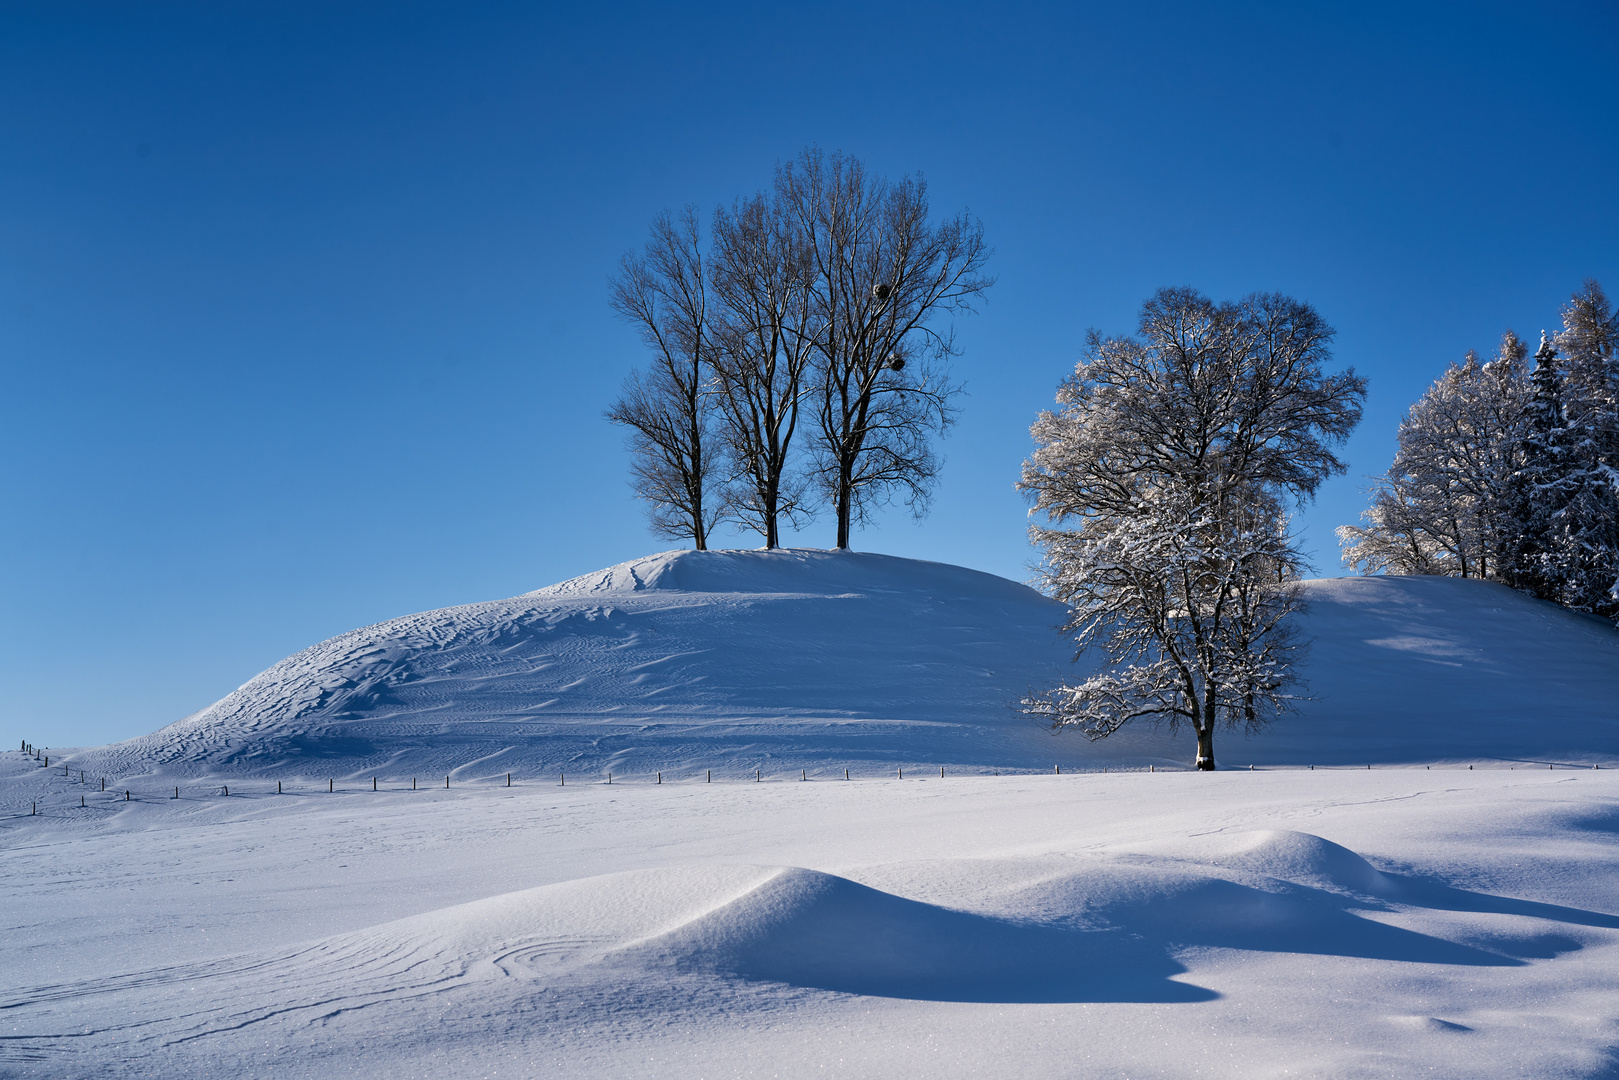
(1287, 856)
(666, 941)
(807, 928)
(733, 661)
(685, 660)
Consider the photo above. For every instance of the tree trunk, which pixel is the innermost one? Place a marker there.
(845, 507)
(1205, 749)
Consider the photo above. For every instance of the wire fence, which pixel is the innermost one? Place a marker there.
(93, 791)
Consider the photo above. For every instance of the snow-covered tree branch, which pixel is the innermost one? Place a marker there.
(1163, 478)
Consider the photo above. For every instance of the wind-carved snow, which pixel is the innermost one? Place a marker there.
(793, 659)
(637, 969)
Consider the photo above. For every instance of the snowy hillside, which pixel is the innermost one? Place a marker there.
(784, 660)
(1330, 923)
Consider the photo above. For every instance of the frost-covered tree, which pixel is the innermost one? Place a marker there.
(1537, 512)
(669, 408)
(1439, 508)
(1563, 507)
(1163, 480)
(1589, 348)
(883, 273)
(1511, 474)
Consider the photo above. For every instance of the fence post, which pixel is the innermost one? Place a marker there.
(660, 778)
(508, 779)
(278, 787)
(329, 783)
(710, 779)
(446, 783)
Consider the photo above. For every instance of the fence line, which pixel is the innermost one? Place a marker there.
(246, 787)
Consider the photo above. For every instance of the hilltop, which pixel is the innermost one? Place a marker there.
(806, 659)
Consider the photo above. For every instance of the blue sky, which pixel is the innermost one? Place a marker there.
(303, 310)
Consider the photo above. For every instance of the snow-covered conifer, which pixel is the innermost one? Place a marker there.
(1589, 347)
(1564, 506)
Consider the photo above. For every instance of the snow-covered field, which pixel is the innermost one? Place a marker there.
(1416, 918)
(1341, 923)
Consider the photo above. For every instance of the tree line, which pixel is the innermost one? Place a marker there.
(797, 357)
(1509, 472)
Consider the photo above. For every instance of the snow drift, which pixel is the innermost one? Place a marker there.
(804, 659)
(1107, 927)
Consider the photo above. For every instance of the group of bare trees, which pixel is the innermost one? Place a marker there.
(796, 357)
(1510, 472)
(1164, 478)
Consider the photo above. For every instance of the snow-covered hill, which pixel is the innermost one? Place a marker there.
(1392, 922)
(737, 660)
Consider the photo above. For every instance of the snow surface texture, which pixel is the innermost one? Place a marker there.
(1342, 924)
(804, 659)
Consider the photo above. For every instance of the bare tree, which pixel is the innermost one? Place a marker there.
(1163, 477)
(760, 279)
(882, 274)
(668, 409)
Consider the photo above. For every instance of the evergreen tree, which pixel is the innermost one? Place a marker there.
(1589, 345)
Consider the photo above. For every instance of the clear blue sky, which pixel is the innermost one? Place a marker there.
(303, 318)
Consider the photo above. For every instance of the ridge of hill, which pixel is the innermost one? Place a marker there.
(788, 659)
